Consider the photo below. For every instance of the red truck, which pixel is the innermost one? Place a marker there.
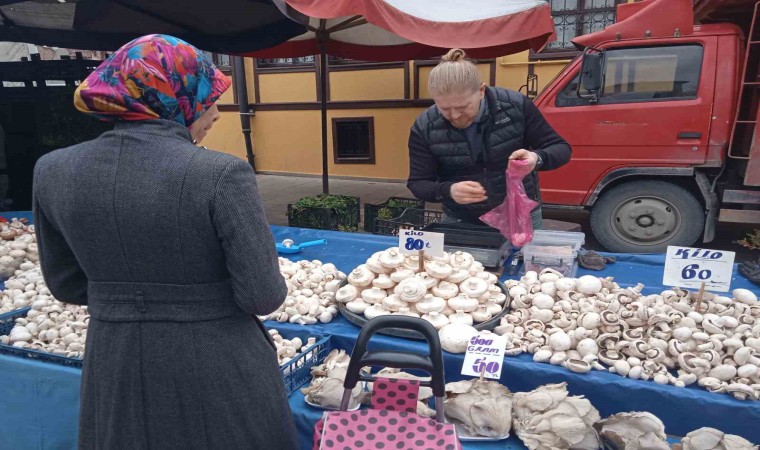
(661, 110)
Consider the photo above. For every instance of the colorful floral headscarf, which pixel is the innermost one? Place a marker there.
(152, 77)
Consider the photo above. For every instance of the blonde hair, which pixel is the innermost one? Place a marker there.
(454, 75)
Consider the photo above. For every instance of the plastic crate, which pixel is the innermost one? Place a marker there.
(327, 218)
(410, 218)
(297, 371)
(386, 211)
(7, 322)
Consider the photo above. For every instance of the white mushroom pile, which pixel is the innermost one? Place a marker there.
(453, 288)
(311, 292)
(52, 327)
(287, 349)
(18, 248)
(23, 288)
(592, 323)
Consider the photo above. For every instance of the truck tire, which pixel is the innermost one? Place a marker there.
(646, 217)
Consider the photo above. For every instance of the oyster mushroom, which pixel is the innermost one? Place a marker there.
(548, 418)
(479, 408)
(632, 431)
(711, 439)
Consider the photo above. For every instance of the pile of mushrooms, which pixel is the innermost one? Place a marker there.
(287, 349)
(311, 292)
(23, 288)
(18, 248)
(592, 323)
(549, 418)
(711, 439)
(479, 408)
(453, 288)
(52, 327)
(326, 388)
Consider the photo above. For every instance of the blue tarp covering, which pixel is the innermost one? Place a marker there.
(39, 401)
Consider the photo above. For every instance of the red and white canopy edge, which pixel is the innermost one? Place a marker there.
(396, 30)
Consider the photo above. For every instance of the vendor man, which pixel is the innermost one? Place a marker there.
(460, 147)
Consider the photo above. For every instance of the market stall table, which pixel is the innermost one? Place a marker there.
(40, 400)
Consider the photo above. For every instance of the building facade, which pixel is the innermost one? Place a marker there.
(371, 106)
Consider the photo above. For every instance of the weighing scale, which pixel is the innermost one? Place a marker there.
(484, 243)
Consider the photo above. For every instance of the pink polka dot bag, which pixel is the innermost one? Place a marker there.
(392, 423)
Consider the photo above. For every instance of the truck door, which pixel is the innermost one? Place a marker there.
(654, 110)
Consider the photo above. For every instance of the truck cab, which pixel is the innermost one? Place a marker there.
(653, 111)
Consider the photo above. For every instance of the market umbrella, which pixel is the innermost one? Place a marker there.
(395, 30)
(222, 26)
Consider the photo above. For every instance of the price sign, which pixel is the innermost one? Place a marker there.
(485, 354)
(413, 241)
(690, 267)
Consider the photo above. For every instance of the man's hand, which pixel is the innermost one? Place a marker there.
(467, 192)
(523, 154)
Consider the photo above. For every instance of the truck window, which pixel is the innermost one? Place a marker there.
(651, 74)
(645, 74)
(568, 96)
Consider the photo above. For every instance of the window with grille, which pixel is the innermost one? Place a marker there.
(354, 140)
(578, 17)
(221, 61)
(303, 61)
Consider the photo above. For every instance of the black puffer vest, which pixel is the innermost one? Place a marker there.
(503, 130)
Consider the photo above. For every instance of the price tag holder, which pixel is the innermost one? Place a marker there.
(690, 267)
(485, 356)
(413, 242)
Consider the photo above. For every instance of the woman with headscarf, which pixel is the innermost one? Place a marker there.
(167, 245)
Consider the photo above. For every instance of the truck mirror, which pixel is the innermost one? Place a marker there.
(591, 75)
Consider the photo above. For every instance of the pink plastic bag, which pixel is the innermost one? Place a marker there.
(512, 217)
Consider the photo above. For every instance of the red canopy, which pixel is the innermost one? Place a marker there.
(394, 30)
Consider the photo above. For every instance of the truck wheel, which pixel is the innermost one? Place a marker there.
(647, 217)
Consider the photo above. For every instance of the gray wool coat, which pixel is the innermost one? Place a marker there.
(168, 246)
